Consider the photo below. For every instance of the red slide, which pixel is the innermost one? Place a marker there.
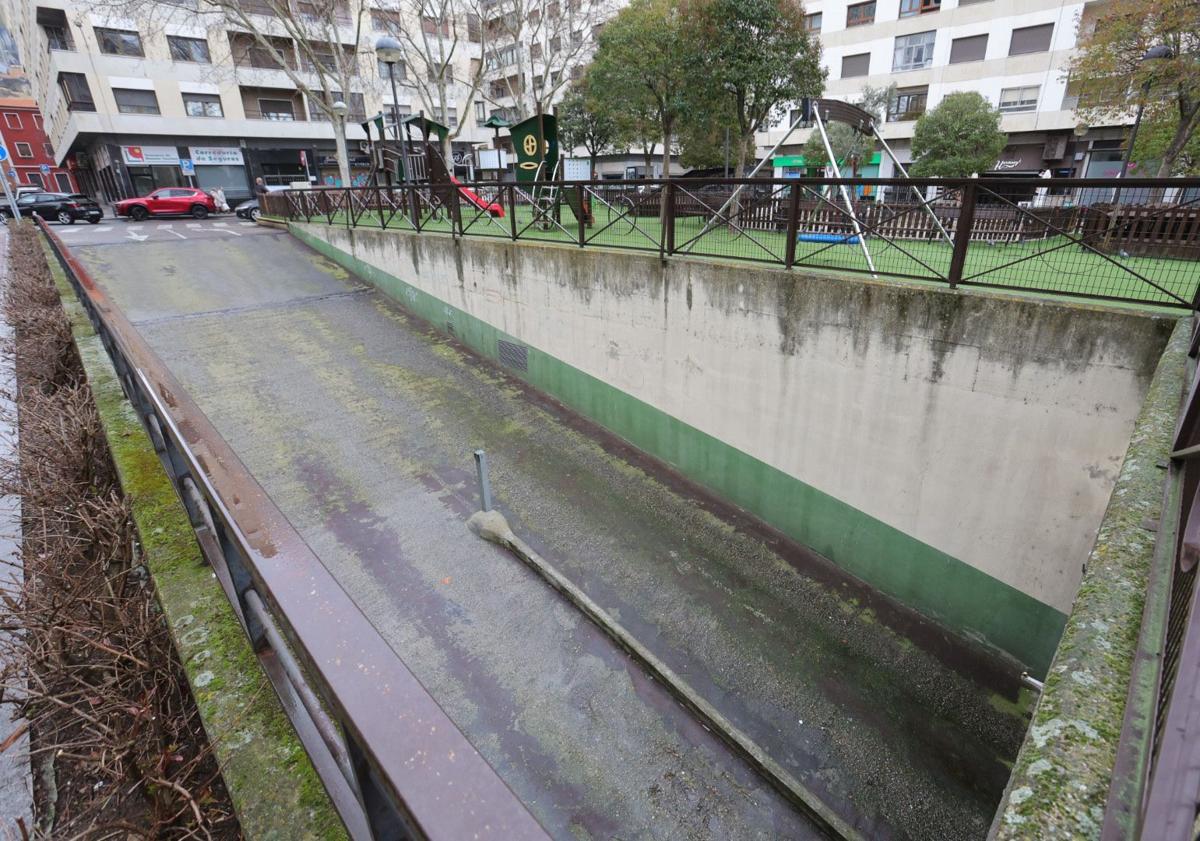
(491, 207)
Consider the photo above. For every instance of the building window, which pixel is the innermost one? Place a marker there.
(909, 8)
(48, 149)
(1017, 100)
(37, 121)
(506, 56)
(188, 49)
(24, 150)
(383, 20)
(202, 105)
(474, 29)
(480, 112)
(908, 104)
(119, 42)
(1031, 39)
(12, 120)
(58, 38)
(279, 110)
(451, 117)
(968, 49)
(860, 14)
(913, 51)
(856, 65)
(812, 23)
(135, 102)
(64, 182)
(433, 26)
(356, 114)
(76, 92)
(401, 71)
(35, 178)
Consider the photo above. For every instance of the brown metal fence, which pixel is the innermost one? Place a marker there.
(1134, 240)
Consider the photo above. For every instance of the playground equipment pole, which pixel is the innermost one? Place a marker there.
(837, 173)
(904, 174)
(389, 51)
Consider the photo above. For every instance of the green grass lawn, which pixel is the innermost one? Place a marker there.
(1054, 265)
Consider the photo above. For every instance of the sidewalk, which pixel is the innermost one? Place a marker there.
(16, 779)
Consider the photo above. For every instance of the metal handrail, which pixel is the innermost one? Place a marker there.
(402, 768)
(794, 206)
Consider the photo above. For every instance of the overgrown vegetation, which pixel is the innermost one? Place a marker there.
(117, 746)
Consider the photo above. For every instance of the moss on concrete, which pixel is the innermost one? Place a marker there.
(275, 790)
(1061, 779)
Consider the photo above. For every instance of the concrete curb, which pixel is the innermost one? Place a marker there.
(275, 790)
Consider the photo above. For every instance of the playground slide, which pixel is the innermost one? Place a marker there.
(491, 207)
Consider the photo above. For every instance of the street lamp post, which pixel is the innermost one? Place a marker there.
(389, 51)
(1153, 54)
(340, 110)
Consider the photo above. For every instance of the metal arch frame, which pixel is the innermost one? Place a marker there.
(360, 747)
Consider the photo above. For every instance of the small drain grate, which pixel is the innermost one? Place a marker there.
(513, 355)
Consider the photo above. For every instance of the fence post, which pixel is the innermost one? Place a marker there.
(415, 199)
(793, 222)
(582, 231)
(962, 232)
(669, 217)
(456, 223)
(512, 210)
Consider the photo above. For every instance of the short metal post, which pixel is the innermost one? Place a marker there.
(789, 258)
(416, 207)
(962, 232)
(485, 485)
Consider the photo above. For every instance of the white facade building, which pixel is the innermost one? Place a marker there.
(125, 101)
(1013, 52)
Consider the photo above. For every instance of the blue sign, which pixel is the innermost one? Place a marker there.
(12, 173)
(3, 154)
(45, 168)
(187, 166)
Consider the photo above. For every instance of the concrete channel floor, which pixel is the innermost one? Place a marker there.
(360, 422)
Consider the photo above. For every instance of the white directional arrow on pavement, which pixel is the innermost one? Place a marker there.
(133, 235)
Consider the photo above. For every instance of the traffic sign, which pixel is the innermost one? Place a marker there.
(3, 154)
(187, 166)
(45, 168)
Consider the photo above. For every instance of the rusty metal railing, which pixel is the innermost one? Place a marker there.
(1050, 236)
(394, 764)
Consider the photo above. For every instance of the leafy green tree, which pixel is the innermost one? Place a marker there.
(849, 145)
(584, 122)
(1153, 138)
(754, 57)
(1110, 76)
(959, 137)
(641, 70)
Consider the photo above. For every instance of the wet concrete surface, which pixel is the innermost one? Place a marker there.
(359, 421)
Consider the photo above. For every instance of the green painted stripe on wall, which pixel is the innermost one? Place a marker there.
(961, 597)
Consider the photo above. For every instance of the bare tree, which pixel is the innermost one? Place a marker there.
(537, 47)
(316, 43)
(441, 63)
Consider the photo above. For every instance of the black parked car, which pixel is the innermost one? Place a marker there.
(248, 210)
(64, 208)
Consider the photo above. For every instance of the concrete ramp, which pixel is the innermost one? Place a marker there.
(359, 420)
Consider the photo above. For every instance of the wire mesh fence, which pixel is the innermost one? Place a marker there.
(1134, 240)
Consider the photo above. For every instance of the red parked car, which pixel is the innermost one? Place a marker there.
(168, 201)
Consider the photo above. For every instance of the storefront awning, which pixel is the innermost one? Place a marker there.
(798, 160)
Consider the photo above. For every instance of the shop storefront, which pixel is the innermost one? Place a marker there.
(282, 167)
(221, 166)
(794, 166)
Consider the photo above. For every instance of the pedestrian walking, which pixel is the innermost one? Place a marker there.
(218, 196)
(260, 187)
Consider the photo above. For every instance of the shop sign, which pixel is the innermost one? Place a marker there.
(216, 155)
(150, 155)
(1020, 159)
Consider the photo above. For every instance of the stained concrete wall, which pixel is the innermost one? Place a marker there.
(956, 450)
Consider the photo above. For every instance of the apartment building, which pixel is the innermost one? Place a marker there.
(31, 160)
(175, 99)
(1013, 52)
